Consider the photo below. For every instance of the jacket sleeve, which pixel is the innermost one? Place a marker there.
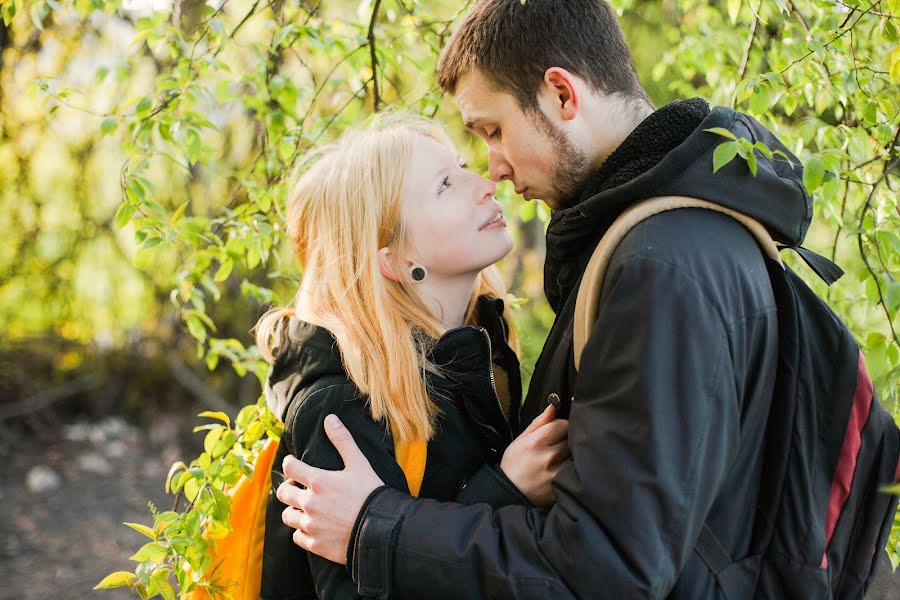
(490, 485)
(653, 428)
(312, 446)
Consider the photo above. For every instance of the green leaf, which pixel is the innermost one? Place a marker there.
(143, 107)
(152, 552)
(722, 131)
(179, 212)
(892, 296)
(890, 31)
(235, 248)
(224, 270)
(108, 125)
(254, 433)
(218, 415)
(193, 146)
(761, 99)
(734, 9)
(764, 150)
(196, 328)
(212, 438)
(143, 529)
(165, 589)
(817, 47)
(246, 416)
(724, 154)
(124, 214)
(229, 437)
(751, 163)
(115, 580)
(813, 173)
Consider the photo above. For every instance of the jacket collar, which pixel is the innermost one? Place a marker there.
(311, 352)
(671, 153)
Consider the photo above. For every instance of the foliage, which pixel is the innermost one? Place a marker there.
(200, 114)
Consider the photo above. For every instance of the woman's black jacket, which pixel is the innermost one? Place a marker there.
(478, 392)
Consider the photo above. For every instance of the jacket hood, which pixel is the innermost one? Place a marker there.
(671, 153)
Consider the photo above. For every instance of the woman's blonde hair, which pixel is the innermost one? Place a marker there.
(344, 208)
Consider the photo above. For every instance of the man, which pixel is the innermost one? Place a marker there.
(668, 410)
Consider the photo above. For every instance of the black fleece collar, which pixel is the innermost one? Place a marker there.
(573, 230)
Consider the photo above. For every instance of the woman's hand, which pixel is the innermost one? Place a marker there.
(537, 455)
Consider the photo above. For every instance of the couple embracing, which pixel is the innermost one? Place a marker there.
(620, 479)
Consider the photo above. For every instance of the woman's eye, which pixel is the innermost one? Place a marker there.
(494, 134)
(445, 185)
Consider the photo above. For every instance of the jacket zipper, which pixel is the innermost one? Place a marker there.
(493, 381)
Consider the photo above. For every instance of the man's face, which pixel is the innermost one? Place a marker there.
(528, 149)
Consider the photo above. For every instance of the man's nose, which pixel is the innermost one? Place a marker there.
(498, 168)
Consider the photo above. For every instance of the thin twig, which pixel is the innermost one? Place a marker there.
(376, 97)
(853, 9)
(859, 239)
(355, 96)
(830, 42)
(747, 47)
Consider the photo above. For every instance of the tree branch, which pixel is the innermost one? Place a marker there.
(747, 46)
(376, 97)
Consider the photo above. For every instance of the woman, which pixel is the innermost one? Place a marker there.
(400, 329)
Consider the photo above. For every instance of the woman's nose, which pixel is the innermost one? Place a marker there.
(487, 191)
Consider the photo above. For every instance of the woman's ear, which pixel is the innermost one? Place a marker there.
(386, 266)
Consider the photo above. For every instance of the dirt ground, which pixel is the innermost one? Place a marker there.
(58, 544)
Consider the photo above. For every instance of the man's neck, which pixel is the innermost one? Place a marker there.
(611, 121)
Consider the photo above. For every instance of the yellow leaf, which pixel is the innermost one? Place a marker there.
(211, 414)
(734, 8)
(142, 529)
(894, 61)
(115, 580)
(174, 469)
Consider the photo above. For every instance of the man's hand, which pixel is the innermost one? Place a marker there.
(536, 456)
(324, 513)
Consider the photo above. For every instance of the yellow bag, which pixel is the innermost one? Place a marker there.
(239, 554)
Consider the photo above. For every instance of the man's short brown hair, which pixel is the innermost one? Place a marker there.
(513, 44)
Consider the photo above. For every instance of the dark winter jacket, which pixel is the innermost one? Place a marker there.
(478, 371)
(669, 407)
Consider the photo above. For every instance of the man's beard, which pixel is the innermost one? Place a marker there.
(570, 171)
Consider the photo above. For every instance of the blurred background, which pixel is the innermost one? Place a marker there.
(146, 149)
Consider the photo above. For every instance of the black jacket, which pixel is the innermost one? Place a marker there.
(669, 408)
(473, 431)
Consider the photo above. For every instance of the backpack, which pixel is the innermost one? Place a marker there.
(830, 446)
(238, 556)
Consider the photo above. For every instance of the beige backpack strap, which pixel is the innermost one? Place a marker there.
(587, 304)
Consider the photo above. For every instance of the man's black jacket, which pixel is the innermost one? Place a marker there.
(669, 408)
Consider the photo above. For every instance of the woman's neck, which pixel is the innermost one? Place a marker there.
(448, 299)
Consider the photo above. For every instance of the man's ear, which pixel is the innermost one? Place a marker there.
(386, 264)
(560, 85)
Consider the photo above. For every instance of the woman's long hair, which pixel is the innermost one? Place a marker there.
(344, 208)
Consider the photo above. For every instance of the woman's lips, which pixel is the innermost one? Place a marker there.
(497, 221)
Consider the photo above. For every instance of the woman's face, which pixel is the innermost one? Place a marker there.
(455, 224)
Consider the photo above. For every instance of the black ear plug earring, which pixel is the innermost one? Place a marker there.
(418, 273)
